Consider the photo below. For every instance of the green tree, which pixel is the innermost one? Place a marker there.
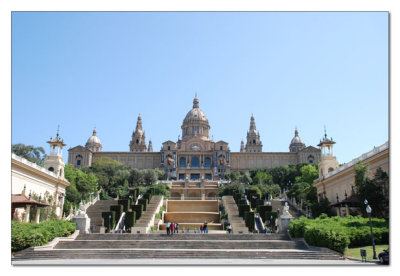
(29, 152)
(245, 179)
(372, 190)
(150, 177)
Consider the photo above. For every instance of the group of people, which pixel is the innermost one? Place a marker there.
(172, 227)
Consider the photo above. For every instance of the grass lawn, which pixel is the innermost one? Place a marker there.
(355, 252)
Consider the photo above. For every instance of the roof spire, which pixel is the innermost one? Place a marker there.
(58, 130)
(296, 133)
(195, 102)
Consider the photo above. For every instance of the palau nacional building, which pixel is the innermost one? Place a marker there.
(195, 156)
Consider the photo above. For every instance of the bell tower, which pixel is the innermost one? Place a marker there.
(328, 161)
(138, 142)
(54, 162)
(254, 143)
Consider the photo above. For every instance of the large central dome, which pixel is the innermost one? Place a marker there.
(195, 123)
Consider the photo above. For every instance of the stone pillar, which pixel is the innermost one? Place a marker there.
(82, 222)
(27, 213)
(203, 196)
(347, 210)
(338, 211)
(182, 196)
(37, 218)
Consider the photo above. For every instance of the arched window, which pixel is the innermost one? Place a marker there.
(330, 170)
(207, 162)
(310, 159)
(78, 162)
(195, 162)
(254, 141)
(137, 141)
(51, 169)
(182, 162)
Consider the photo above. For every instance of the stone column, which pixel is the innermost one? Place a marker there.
(338, 211)
(37, 218)
(182, 196)
(27, 213)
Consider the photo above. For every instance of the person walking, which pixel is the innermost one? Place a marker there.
(172, 228)
(168, 226)
(201, 229)
(205, 228)
(176, 227)
(230, 228)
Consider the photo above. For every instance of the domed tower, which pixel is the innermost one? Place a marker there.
(328, 161)
(242, 146)
(93, 143)
(195, 123)
(54, 162)
(254, 143)
(150, 148)
(138, 142)
(296, 144)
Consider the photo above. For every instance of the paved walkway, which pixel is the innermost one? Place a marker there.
(189, 262)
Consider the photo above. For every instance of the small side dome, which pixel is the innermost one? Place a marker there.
(296, 144)
(93, 143)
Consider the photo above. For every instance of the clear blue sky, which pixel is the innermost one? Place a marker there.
(290, 69)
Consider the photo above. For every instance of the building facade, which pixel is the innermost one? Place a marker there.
(195, 155)
(337, 183)
(46, 182)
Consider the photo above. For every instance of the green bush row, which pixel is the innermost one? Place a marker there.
(338, 233)
(249, 220)
(243, 208)
(262, 209)
(24, 235)
(109, 223)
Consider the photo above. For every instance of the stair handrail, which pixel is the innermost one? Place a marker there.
(120, 225)
(261, 222)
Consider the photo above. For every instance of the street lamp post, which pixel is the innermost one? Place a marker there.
(369, 210)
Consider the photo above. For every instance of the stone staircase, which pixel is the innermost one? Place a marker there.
(180, 246)
(237, 222)
(146, 220)
(95, 210)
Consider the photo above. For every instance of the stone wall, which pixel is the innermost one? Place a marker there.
(193, 206)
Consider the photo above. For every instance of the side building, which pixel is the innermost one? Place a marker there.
(36, 186)
(195, 155)
(336, 183)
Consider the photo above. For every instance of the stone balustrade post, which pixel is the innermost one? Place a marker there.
(27, 213)
(37, 218)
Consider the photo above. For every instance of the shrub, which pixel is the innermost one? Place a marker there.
(106, 219)
(337, 233)
(130, 219)
(243, 208)
(268, 216)
(126, 203)
(262, 209)
(118, 209)
(249, 220)
(138, 209)
(143, 202)
(103, 196)
(24, 235)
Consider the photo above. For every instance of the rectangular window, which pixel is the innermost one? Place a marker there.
(78, 162)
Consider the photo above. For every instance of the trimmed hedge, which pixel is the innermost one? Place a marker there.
(24, 235)
(138, 209)
(249, 220)
(130, 219)
(268, 215)
(262, 209)
(338, 233)
(144, 203)
(243, 208)
(126, 203)
(118, 209)
(106, 219)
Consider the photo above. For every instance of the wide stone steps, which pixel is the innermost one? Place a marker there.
(179, 244)
(180, 254)
(180, 236)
